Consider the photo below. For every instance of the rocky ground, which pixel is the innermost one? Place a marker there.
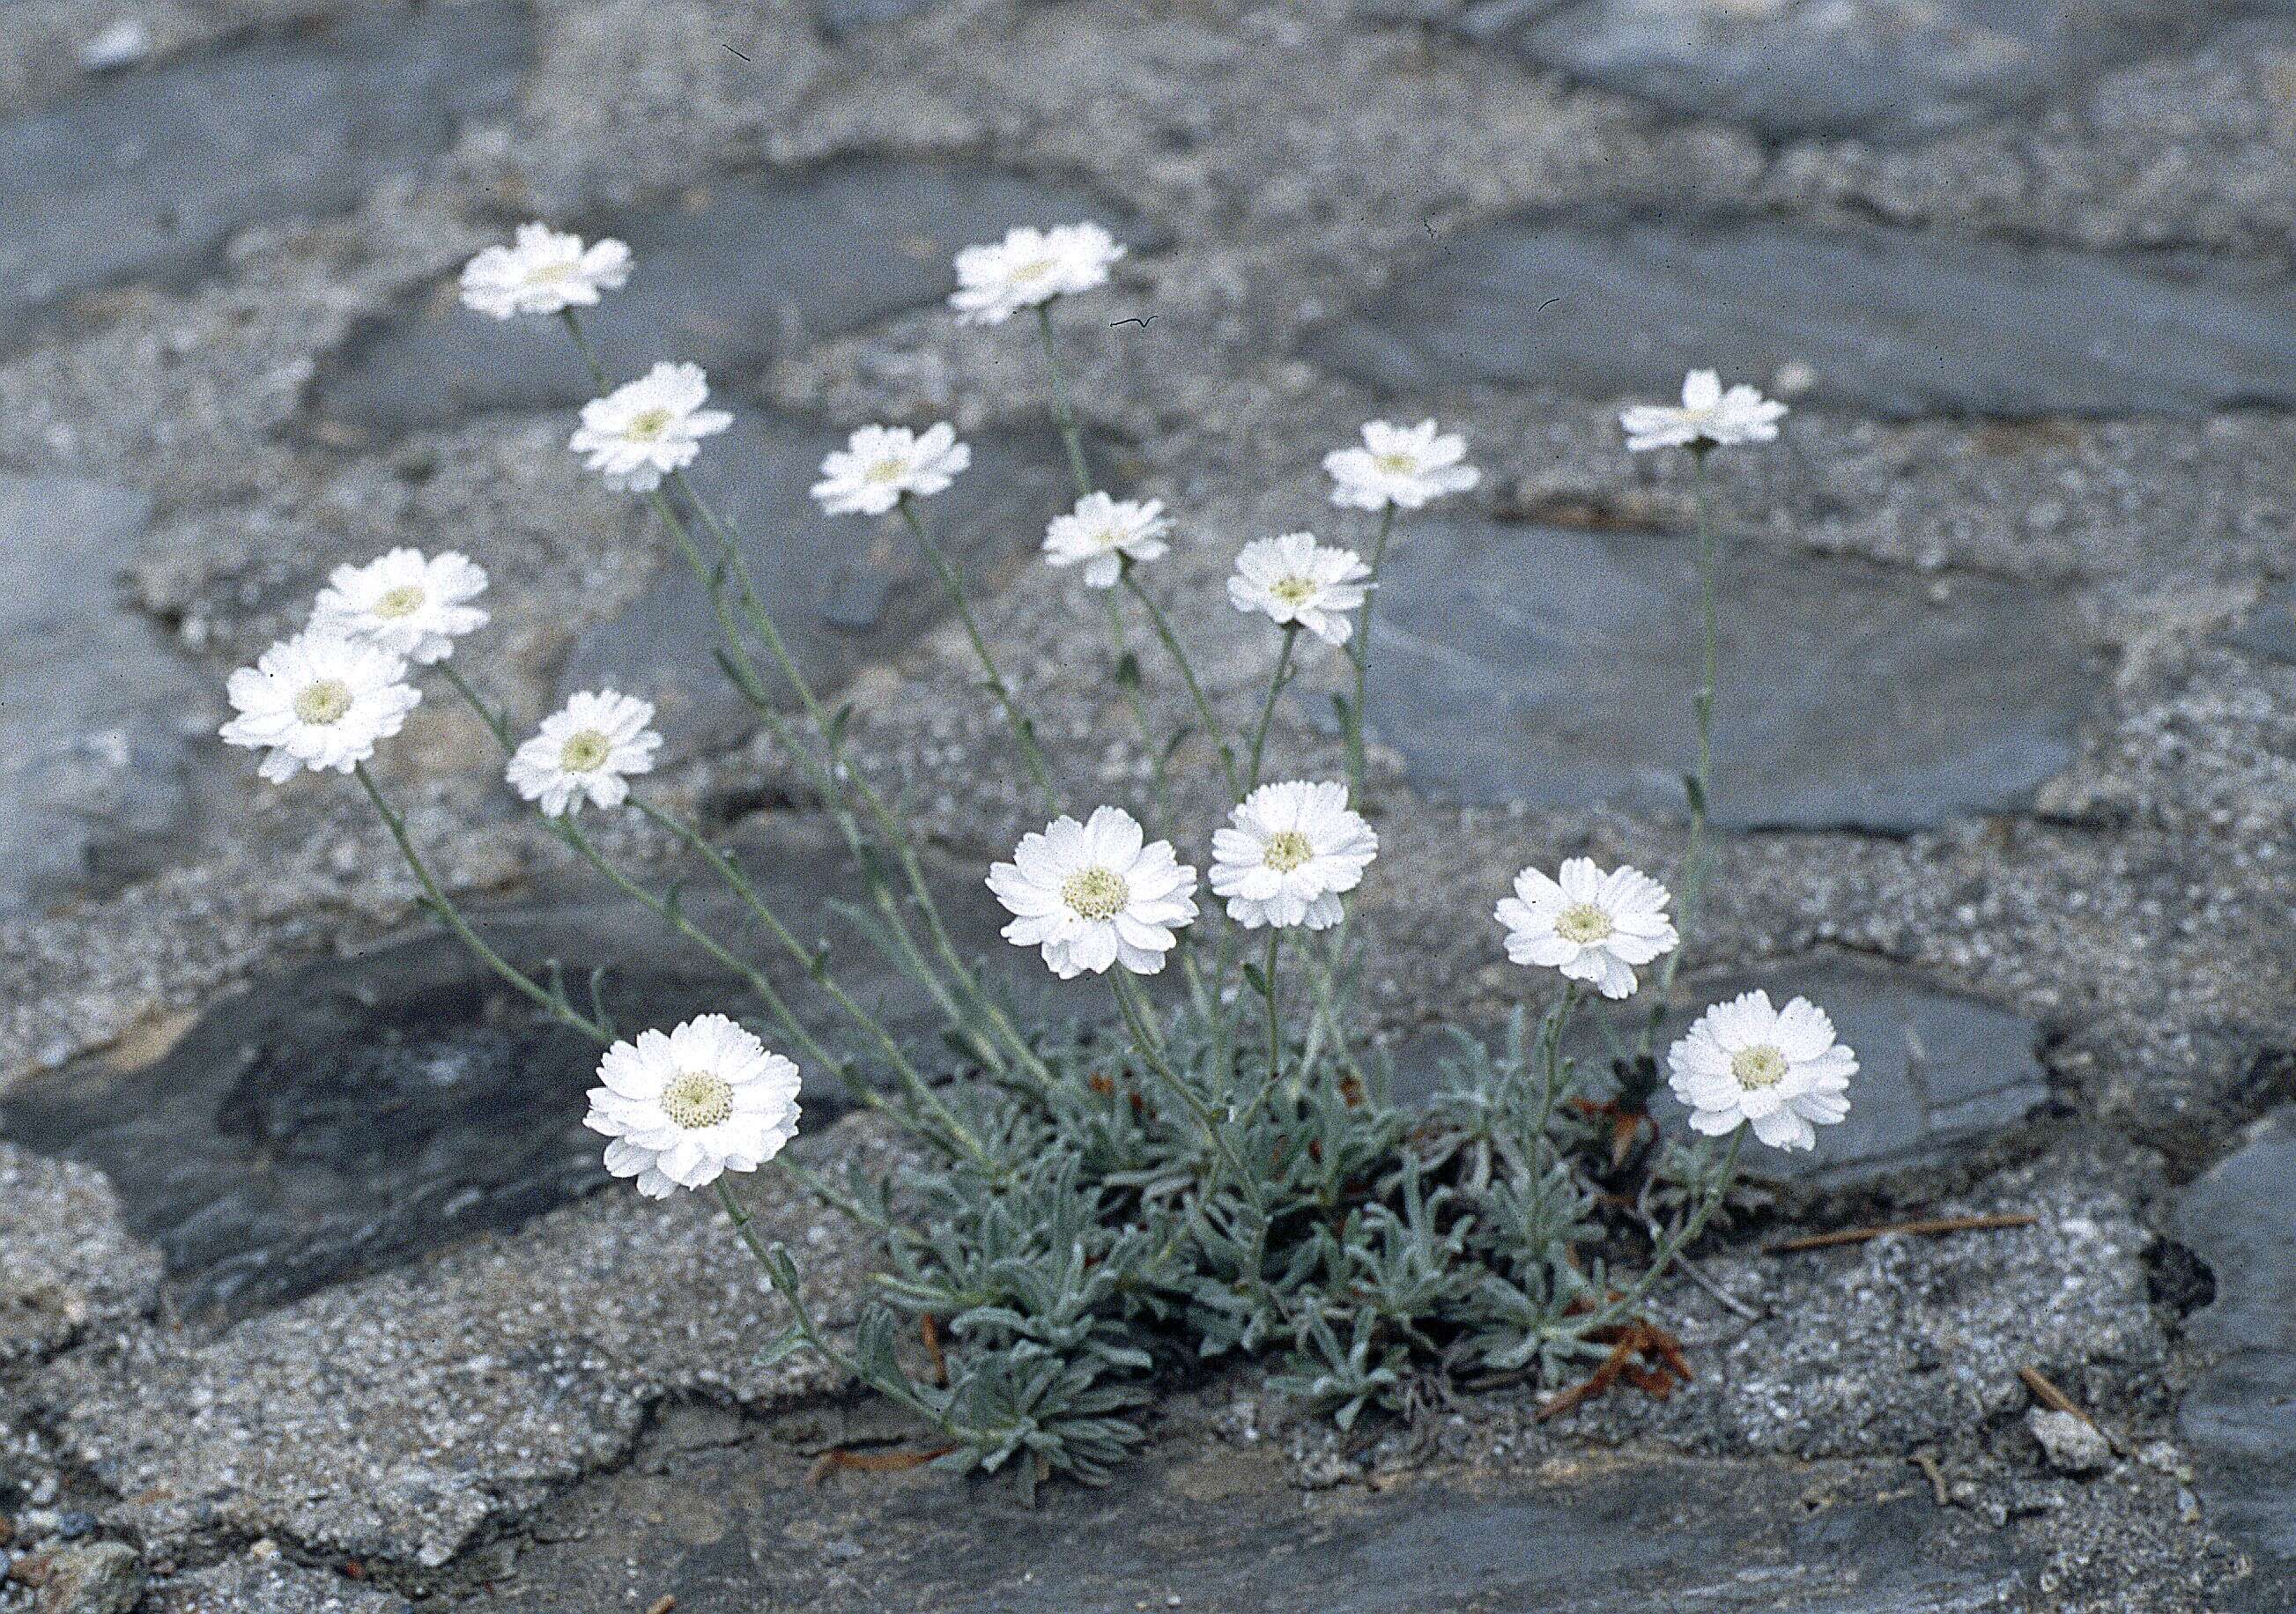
(310, 1301)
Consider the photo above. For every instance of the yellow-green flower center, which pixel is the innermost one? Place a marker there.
(887, 470)
(1036, 268)
(1395, 465)
(550, 273)
(1294, 591)
(695, 1099)
(649, 423)
(584, 751)
(1759, 1066)
(1095, 893)
(1584, 924)
(324, 701)
(1286, 850)
(403, 601)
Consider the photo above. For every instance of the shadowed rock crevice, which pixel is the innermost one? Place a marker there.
(728, 274)
(1895, 323)
(147, 174)
(1554, 666)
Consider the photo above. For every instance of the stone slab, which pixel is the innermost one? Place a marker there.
(2238, 1420)
(2269, 630)
(103, 743)
(1883, 70)
(1941, 1074)
(1555, 666)
(727, 276)
(348, 1116)
(1896, 324)
(145, 174)
(844, 591)
(1208, 1526)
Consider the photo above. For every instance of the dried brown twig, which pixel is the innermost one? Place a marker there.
(1927, 1225)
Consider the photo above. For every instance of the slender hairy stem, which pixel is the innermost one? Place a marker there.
(452, 918)
(912, 1079)
(1359, 653)
(1063, 416)
(1127, 679)
(1693, 1224)
(830, 781)
(1024, 732)
(1137, 1021)
(1274, 1019)
(1693, 861)
(573, 322)
(1268, 712)
(1172, 646)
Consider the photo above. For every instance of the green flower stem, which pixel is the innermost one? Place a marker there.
(573, 324)
(1360, 654)
(816, 965)
(1274, 1019)
(1550, 1063)
(1172, 646)
(1024, 732)
(1268, 712)
(498, 725)
(1702, 702)
(1136, 1019)
(1063, 416)
(669, 912)
(1675, 1243)
(452, 918)
(829, 781)
(1127, 679)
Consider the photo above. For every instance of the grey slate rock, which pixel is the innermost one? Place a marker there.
(1940, 1073)
(842, 590)
(1898, 323)
(103, 743)
(1879, 69)
(1202, 1527)
(2270, 629)
(146, 175)
(2238, 1420)
(840, 18)
(348, 1116)
(1556, 666)
(727, 276)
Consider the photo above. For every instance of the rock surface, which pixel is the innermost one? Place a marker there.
(2239, 1419)
(99, 763)
(1555, 666)
(2270, 629)
(149, 174)
(71, 1266)
(92, 1578)
(361, 1111)
(244, 1586)
(1223, 1528)
(1876, 68)
(728, 274)
(1895, 323)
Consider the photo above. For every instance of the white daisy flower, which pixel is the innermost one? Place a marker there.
(1288, 852)
(318, 701)
(1091, 895)
(1028, 267)
(1404, 466)
(411, 604)
(638, 434)
(1101, 533)
(880, 464)
(1709, 417)
(1594, 927)
(684, 1109)
(1780, 1069)
(1295, 579)
(543, 270)
(587, 749)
